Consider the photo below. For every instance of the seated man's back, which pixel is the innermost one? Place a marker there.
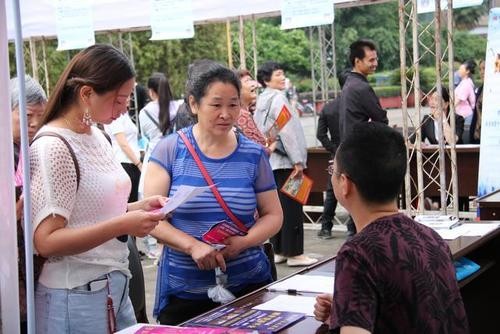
(396, 276)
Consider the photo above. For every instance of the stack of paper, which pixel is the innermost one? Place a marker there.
(438, 221)
(468, 230)
(305, 283)
(288, 303)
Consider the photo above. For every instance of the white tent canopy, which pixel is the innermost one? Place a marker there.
(38, 16)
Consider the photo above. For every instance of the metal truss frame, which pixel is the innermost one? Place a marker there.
(426, 41)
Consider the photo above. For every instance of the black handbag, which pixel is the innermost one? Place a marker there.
(280, 148)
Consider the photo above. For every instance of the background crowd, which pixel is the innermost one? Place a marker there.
(93, 187)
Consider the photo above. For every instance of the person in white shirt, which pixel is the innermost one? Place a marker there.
(79, 198)
(156, 121)
(156, 118)
(124, 138)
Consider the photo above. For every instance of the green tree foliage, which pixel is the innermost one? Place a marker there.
(468, 46)
(170, 57)
(173, 57)
(376, 22)
(467, 18)
(56, 60)
(289, 47)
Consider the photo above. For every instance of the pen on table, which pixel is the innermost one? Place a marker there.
(457, 224)
(288, 291)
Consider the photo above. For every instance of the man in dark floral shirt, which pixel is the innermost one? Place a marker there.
(395, 275)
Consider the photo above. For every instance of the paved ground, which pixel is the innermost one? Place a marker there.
(309, 123)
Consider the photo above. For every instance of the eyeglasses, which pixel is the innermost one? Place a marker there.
(332, 170)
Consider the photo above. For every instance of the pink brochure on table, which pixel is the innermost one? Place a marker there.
(156, 329)
(220, 231)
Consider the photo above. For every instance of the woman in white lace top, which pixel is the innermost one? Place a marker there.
(80, 200)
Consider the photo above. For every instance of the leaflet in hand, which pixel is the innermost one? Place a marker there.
(298, 188)
(220, 231)
(283, 117)
(438, 221)
(183, 194)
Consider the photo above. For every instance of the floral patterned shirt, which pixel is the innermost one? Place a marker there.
(397, 276)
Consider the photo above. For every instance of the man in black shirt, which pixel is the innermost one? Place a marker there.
(328, 135)
(358, 102)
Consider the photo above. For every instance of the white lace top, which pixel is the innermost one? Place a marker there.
(102, 194)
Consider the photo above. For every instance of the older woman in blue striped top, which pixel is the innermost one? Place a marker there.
(241, 171)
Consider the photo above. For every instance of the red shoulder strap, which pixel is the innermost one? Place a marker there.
(210, 182)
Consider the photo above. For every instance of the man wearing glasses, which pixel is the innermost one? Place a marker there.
(394, 275)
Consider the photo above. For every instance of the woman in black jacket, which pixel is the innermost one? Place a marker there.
(430, 122)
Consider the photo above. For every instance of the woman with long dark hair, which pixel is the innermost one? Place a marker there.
(430, 122)
(79, 194)
(156, 121)
(156, 118)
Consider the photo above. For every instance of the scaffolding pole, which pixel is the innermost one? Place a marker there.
(241, 39)
(404, 95)
(229, 44)
(453, 153)
(430, 169)
(254, 47)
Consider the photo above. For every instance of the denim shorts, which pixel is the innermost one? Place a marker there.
(84, 308)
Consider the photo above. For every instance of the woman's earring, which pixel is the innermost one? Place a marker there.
(87, 119)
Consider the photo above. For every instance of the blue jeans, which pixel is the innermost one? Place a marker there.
(84, 308)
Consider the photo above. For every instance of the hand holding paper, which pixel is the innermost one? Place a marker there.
(182, 195)
(153, 202)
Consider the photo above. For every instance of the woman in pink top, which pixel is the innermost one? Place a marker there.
(465, 98)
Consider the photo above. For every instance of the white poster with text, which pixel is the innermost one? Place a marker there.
(306, 13)
(428, 6)
(171, 19)
(75, 27)
(489, 156)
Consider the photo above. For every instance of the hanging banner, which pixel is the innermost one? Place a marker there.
(75, 28)
(489, 155)
(171, 19)
(428, 6)
(306, 13)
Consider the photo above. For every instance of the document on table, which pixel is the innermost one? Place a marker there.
(182, 195)
(452, 234)
(468, 230)
(479, 229)
(305, 283)
(289, 303)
